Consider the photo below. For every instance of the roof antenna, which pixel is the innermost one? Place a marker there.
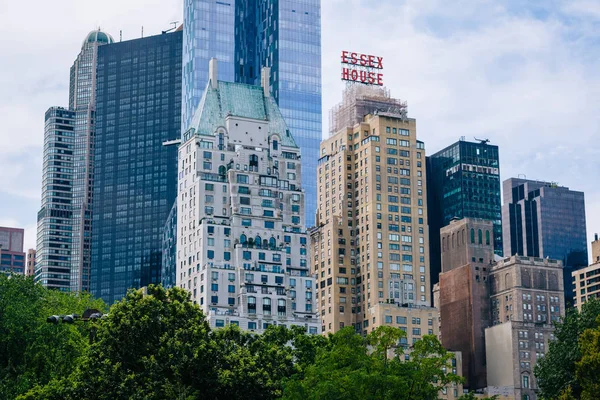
(121, 35)
(142, 30)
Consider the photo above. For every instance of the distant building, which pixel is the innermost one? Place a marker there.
(55, 218)
(30, 263)
(370, 245)
(247, 35)
(586, 281)
(138, 108)
(82, 100)
(64, 220)
(467, 259)
(168, 273)
(463, 181)
(12, 257)
(242, 246)
(527, 296)
(542, 219)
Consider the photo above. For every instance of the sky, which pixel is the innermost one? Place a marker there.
(523, 74)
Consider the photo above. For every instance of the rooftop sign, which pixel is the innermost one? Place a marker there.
(362, 68)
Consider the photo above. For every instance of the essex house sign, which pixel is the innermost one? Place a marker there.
(362, 68)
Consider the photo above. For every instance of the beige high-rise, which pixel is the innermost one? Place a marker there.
(370, 244)
(586, 281)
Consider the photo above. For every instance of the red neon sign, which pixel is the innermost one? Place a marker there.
(361, 68)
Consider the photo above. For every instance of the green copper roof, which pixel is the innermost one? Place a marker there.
(238, 100)
(98, 36)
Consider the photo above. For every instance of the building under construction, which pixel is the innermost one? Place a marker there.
(361, 100)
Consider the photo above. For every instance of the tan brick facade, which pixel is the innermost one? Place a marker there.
(370, 246)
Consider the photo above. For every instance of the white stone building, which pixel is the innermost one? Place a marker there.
(242, 247)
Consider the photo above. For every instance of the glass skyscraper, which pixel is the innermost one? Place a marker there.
(138, 108)
(246, 35)
(82, 93)
(463, 181)
(542, 219)
(54, 221)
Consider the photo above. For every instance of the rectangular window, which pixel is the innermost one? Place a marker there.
(269, 224)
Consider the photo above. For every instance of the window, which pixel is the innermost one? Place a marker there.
(252, 325)
(487, 237)
(401, 320)
(525, 382)
(472, 235)
(242, 179)
(246, 222)
(269, 224)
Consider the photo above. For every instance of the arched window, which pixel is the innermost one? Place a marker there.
(487, 237)
(480, 236)
(265, 244)
(251, 305)
(243, 239)
(258, 242)
(222, 170)
(463, 237)
(266, 306)
(526, 278)
(272, 243)
(507, 281)
(443, 244)
(452, 239)
(525, 381)
(472, 235)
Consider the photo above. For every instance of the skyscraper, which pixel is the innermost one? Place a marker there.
(82, 94)
(246, 35)
(242, 248)
(467, 259)
(64, 263)
(370, 245)
(12, 257)
(138, 108)
(463, 181)
(55, 218)
(542, 219)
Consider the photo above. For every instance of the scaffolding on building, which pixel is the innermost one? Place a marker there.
(360, 100)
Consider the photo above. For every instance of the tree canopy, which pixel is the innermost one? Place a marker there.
(157, 344)
(557, 372)
(33, 352)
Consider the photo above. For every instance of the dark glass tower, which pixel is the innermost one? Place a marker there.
(82, 100)
(246, 35)
(138, 108)
(55, 218)
(542, 219)
(463, 181)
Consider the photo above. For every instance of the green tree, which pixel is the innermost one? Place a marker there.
(33, 352)
(150, 346)
(588, 368)
(353, 367)
(556, 372)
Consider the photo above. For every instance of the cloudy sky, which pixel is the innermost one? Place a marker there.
(526, 77)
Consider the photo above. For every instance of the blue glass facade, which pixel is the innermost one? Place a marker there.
(463, 181)
(246, 35)
(138, 108)
(542, 219)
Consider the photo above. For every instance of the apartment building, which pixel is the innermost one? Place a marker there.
(370, 244)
